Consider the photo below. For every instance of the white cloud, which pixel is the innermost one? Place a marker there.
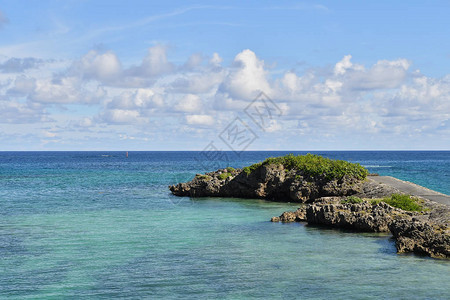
(204, 120)
(66, 90)
(341, 67)
(85, 122)
(100, 66)
(203, 81)
(23, 85)
(383, 75)
(194, 61)
(215, 60)
(189, 103)
(274, 125)
(49, 134)
(22, 113)
(137, 99)
(154, 63)
(18, 65)
(349, 97)
(121, 116)
(248, 77)
(56, 90)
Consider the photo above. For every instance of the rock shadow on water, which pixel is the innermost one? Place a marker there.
(385, 240)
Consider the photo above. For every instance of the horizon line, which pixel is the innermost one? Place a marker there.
(354, 150)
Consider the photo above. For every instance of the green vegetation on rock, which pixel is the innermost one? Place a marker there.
(231, 169)
(315, 165)
(224, 176)
(251, 168)
(405, 202)
(352, 200)
(402, 201)
(204, 177)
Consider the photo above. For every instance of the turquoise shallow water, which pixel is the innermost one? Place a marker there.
(99, 225)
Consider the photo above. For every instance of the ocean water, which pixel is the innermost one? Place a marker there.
(99, 225)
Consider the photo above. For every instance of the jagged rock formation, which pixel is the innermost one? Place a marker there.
(427, 234)
(362, 217)
(272, 182)
(424, 232)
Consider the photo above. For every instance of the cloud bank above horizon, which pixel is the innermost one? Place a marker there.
(102, 99)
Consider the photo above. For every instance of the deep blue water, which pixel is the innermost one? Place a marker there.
(101, 225)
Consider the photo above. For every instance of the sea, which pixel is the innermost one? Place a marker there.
(101, 225)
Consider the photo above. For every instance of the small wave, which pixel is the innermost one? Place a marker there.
(377, 166)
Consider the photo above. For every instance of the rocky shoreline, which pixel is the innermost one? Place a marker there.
(328, 201)
(425, 233)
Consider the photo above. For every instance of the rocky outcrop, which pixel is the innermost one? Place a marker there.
(362, 216)
(331, 212)
(413, 235)
(291, 216)
(272, 182)
(425, 233)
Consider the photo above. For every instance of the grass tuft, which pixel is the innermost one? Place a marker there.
(405, 202)
(224, 176)
(204, 177)
(251, 168)
(352, 200)
(315, 165)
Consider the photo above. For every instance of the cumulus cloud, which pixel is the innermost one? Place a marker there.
(99, 66)
(22, 113)
(189, 103)
(203, 120)
(106, 68)
(22, 86)
(423, 100)
(383, 75)
(131, 107)
(386, 97)
(247, 78)
(273, 126)
(121, 116)
(84, 122)
(18, 65)
(343, 65)
(215, 60)
(154, 63)
(139, 98)
(194, 61)
(204, 81)
(65, 90)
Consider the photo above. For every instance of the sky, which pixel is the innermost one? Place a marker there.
(224, 75)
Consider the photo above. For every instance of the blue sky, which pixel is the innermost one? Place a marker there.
(173, 75)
